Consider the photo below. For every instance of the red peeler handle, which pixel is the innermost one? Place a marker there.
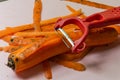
(109, 17)
(105, 18)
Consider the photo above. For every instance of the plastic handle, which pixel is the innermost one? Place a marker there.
(109, 17)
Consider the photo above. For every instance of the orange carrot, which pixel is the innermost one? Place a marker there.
(42, 34)
(90, 3)
(19, 41)
(71, 9)
(34, 53)
(10, 48)
(70, 64)
(37, 15)
(47, 69)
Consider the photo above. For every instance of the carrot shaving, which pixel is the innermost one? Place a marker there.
(70, 8)
(69, 64)
(37, 15)
(73, 10)
(90, 3)
(10, 48)
(40, 34)
(47, 69)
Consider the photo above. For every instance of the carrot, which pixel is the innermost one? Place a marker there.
(36, 52)
(42, 34)
(34, 34)
(37, 15)
(19, 41)
(47, 69)
(1, 49)
(69, 64)
(7, 38)
(73, 10)
(70, 8)
(30, 26)
(10, 48)
(93, 4)
(101, 36)
(14, 30)
(92, 34)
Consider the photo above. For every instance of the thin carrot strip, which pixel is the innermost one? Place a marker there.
(47, 69)
(34, 34)
(30, 26)
(70, 8)
(18, 41)
(71, 56)
(93, 4)
(14, 30)
(10, 48)
(1, 48)
(37, 15)
(38, 34)
(69, 64)
(53, 20)
(73, 10)
(7, 38)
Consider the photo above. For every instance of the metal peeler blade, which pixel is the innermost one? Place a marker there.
(66, 37)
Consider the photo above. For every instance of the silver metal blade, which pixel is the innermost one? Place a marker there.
(66, 36)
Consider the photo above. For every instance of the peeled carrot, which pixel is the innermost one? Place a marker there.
(35, 53)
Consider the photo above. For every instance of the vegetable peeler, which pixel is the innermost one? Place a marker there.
(101, 19)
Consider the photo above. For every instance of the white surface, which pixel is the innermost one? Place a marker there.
(103, 64)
